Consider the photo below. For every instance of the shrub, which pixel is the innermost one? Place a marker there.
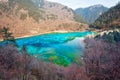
(102, 60)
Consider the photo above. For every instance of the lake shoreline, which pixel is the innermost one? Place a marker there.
(59, 31)
(39, 34)
(62, 47)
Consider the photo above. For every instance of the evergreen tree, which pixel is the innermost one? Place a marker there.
(6, 35)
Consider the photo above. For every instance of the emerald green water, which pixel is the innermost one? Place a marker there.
(58, 48)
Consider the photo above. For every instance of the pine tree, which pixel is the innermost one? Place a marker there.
(6, 35)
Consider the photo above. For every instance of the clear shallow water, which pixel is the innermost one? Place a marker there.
(59, 48)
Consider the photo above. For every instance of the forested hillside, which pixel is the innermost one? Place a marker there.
(110, 19)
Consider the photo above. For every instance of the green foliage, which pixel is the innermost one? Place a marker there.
(7, 36)
(108, 18)
(111, 37)
(116, 36)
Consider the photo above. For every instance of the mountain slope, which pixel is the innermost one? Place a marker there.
(30, 17)
(110, 19)
(90, 14)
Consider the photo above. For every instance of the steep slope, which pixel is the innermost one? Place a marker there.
(110, 19)
(90, 14)
(30, 17)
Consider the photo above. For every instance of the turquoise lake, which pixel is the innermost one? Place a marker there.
(58, 48)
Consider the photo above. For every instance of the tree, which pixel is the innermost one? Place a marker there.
(10, 63)
(6, 35)
(102, 60)
(27, 64)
